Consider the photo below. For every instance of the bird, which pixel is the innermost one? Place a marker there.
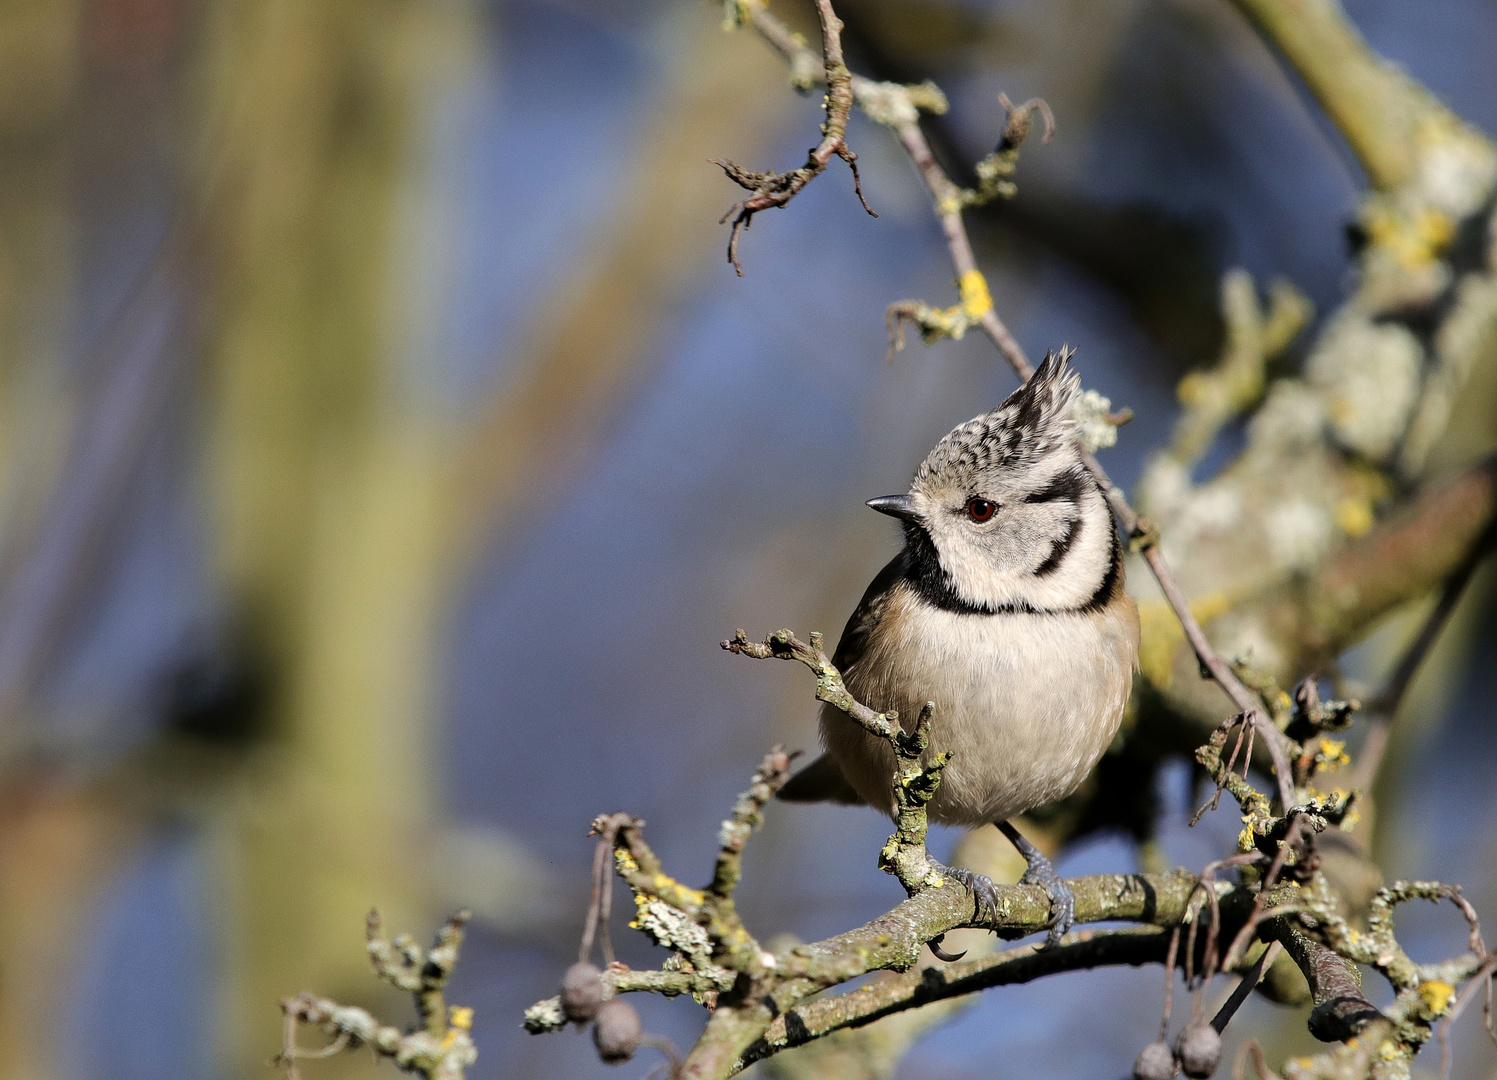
(1006, 609)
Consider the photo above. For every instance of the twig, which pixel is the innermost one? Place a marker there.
(915, 779)
(600, 902)
(441, 1048)
(1229, 1008)
(1385, 706)
(1239, 1069)
(771, 189)
(1245, 935)
(748, 814)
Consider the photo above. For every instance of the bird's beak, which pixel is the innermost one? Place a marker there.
(900, 506)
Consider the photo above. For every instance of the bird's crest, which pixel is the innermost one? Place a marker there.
(1034, 421)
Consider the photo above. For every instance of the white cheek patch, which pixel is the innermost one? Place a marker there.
(1003, 572)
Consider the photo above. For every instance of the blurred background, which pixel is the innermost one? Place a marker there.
(386, 446)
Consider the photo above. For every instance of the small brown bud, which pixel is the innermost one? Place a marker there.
(1154, 1062)
(1199, 1048)
(581, 992)
(617, 1031)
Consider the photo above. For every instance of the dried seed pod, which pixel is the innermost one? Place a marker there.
(1199, 1048)
(582, 992)
(616, 1031)
(1154, 1062)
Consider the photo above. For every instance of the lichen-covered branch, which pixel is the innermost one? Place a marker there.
(1390, 121)
(915, 778)
(1078, 951)
(440, 1048)
(763, 1002)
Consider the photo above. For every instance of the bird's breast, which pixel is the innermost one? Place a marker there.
(1026, 703)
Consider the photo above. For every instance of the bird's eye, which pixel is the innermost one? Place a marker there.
(980, 510)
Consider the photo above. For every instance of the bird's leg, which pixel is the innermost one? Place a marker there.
(1042, 872)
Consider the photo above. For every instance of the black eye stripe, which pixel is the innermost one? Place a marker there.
(1059, 549)
(1068, 486)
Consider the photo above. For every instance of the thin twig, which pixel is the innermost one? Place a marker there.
(1229, 1009)
(1169, 981)
(1245, 934)
(600, 902)
(771, 189)
(1385, 706)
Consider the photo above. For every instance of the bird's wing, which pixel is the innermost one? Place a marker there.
(822, 780)
(854, 641)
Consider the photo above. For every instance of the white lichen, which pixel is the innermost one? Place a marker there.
(670, 928)
(1093, 413)
(886, 102)
(1299, 532)
(1291, 417)
(1215, 508)
(1164, 486)
(1369, 374)
(1456, 167)
(545, 1016)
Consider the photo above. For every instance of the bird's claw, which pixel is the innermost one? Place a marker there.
(1042, 872)
(934, 945)
(982, 888)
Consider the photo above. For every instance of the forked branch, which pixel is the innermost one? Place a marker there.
(772, 189)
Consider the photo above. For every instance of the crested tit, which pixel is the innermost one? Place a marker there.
(1006, 609)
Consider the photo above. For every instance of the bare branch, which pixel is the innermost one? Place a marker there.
(441, 1048)
(771, 189)
(1385, 706)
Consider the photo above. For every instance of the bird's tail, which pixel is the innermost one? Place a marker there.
(820, 781)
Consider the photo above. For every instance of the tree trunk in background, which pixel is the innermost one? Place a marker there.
(344, 503)
(51, 845)
(325, 470)
(39, 76)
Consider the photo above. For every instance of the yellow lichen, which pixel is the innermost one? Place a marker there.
(1332, 755)
(1437, 995)
(1414, 239)
(976, 300)
(459, 1021)
(1354, 515)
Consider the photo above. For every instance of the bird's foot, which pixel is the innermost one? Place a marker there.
(1042, 872)
(983, 889)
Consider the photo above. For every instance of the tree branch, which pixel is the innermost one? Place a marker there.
(441, 1048)
(1080, 951)
(771, 189)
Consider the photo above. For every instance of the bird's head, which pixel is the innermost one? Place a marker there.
(998, 503)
